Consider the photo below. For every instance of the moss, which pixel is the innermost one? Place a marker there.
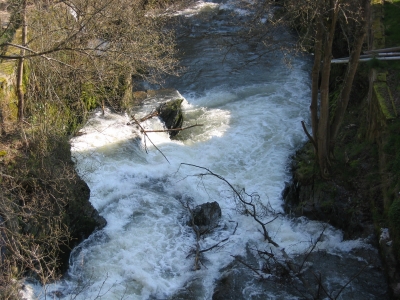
(385, 100)
(305, 165)
(88, 96)
(171, 114)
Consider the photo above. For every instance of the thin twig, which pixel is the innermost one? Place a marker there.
(312, 249)
(309, 135)
(321, 286)
(247, 265)
(212, 247)
(235, 228)
(350, 280)
(6, 176)
(144, 132)
(149, 116)
(253, 212)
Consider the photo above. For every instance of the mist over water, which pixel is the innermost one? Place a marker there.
(251, 114)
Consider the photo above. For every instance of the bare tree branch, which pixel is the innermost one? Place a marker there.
(145, 134)
(252, 212)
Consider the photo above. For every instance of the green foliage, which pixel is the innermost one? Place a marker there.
(392, 23)
(88, 96)
(391, 148)
(375, 63)
(6, 36)
(306, 168)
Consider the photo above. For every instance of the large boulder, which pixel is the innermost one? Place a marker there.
(171, 114)
(206, 216)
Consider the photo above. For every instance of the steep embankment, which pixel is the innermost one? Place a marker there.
(362, 196)
(44, 205)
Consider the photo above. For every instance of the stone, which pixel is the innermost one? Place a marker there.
(206, 216)
(171, 114)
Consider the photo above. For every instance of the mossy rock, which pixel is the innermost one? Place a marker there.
(385, 100)
(171, 114)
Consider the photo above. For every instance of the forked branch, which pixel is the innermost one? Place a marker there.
(250, 206)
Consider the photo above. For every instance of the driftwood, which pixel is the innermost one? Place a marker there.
(145, 134)
(174, 129)
(249, 205)
(149, 116)
(198, 251)
(144, 131)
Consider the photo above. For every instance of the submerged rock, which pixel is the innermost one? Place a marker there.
(171, 114)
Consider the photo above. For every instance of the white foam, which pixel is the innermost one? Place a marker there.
(144, 251)
(197, 8)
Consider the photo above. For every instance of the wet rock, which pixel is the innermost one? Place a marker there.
(333, 201)
(206, 216)
(171, 114)
(194, 289)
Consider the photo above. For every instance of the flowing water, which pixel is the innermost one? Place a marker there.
(251, 112)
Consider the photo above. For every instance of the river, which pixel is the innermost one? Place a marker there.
(251, 108)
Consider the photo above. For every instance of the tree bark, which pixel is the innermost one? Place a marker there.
(323, 124)
(20, 66)
(344, 95)
(315, 82)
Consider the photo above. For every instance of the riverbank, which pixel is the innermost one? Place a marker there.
(361, 198)
(44, 206)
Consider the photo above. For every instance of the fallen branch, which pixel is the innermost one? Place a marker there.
(252, 208)
(351, 279)
(197, 252)
(235, 228)
(173, 129)
(144, 132)
(212, 247)
(312, 249)
(197, 232)
(149, 116)
(247, 265)
(320, 287)
(295, 270)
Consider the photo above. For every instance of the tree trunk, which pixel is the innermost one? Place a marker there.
(323, 124)
(315, 82)
(20, 67)
(344, 96)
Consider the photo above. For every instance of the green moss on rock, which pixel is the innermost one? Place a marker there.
(171, 114)
(385, 100)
